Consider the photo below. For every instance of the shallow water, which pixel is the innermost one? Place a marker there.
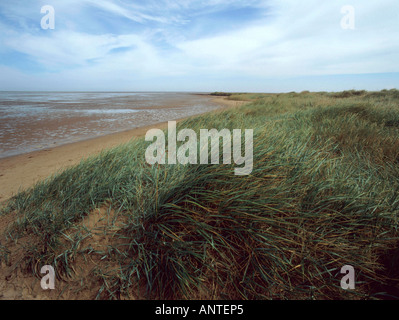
(31, 121)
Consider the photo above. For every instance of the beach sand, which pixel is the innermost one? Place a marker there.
(20, 172)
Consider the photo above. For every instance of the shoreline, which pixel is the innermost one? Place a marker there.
(19, 172)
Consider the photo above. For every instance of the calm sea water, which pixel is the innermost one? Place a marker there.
(32, 121)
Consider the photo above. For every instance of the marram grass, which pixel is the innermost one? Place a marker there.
(323, 194)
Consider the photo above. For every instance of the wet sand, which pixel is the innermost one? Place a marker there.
(33, 121)
(23, 171)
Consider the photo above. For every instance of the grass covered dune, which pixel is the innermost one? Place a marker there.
(323, 194)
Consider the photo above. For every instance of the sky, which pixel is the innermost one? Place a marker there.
(200, 46)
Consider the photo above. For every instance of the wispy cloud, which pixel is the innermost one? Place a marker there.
(194, 44)
(133, 13)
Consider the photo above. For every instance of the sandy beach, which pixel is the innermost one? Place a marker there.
(23, 171)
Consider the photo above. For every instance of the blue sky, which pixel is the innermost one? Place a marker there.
(209, 45)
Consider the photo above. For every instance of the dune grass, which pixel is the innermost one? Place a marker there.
(323, 194)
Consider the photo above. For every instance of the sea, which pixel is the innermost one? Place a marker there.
(32, 121)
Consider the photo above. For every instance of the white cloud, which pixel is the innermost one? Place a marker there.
(305, 38)
(134, 15)
(69, 48)
(291, 38)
